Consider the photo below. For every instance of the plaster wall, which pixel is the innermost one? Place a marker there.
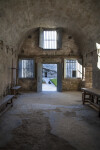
(7, 75)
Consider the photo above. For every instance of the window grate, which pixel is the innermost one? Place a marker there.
(50, 40)
(73, 69)
(26, 68)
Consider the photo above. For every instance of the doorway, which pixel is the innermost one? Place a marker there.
(49, 77)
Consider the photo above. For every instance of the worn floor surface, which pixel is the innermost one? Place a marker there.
(50, 121)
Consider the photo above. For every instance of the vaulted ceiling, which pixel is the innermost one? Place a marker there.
(80, 18)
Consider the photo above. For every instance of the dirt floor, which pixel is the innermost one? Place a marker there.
(50, 121)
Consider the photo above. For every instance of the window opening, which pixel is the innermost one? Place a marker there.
(98, 53)
(49, 77)
(73, 68)
(26, 68)
(50, 40)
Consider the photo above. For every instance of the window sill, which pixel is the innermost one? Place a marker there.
(73, 78)
(26, 78)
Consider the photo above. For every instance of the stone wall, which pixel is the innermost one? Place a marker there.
(87, 71)
(71, 84)
(28, 84)
(88, 77)
(19, 18)
(96, 71)
(91, 72)
(31, 49)
(7, 75)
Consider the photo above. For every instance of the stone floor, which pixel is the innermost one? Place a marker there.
(50, 121)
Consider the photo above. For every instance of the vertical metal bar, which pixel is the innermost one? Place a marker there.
(51, 40)
(66, 68)
(70, 67)
(47, 40)
(22, 68)
(44, 40)
(55, 39)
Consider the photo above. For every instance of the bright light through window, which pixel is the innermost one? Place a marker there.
(50, 40)
(73, 68)
(98, 46)
(98, 53)
(26, 68)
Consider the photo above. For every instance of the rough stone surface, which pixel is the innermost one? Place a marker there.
(28, 84)
(80, 18)
(96, 71)
(30, 48)
(20, 18)
(7, 74)
(50, 120)
(72, 84)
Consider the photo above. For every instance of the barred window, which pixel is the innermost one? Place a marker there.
(73, 68)
(50, 39)
(26, 68)
(98, 53)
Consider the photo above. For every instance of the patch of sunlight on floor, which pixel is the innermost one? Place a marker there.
(49, 87)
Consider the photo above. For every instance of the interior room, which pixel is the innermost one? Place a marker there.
(66, 35)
